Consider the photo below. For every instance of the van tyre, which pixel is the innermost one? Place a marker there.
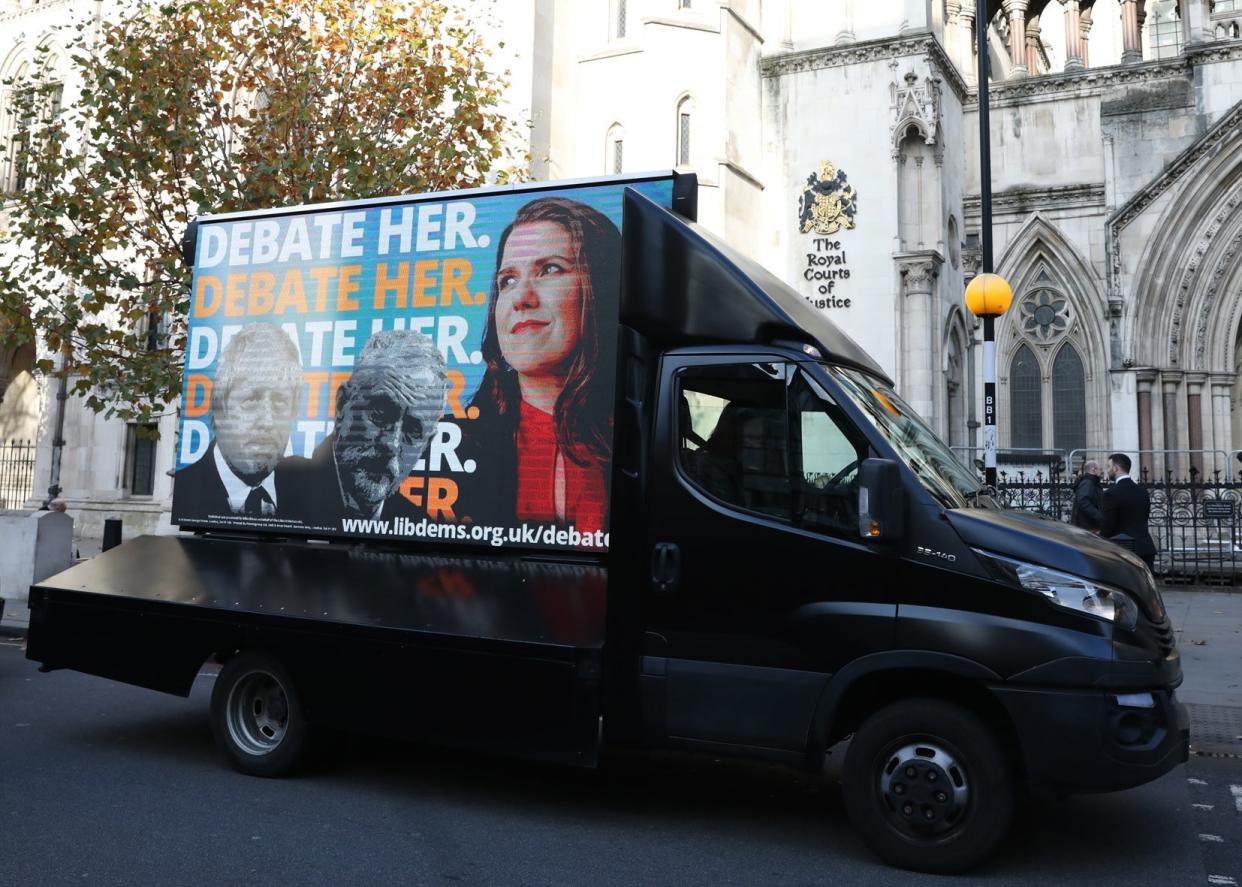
(928, 786)
(256, 716)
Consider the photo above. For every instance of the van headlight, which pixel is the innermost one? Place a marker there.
(1067, 590)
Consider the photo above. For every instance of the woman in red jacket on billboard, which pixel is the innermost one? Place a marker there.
(543, 433)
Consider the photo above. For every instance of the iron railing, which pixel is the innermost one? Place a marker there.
(17, 463)
(1195, 520)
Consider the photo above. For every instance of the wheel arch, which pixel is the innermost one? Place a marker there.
(870, 683)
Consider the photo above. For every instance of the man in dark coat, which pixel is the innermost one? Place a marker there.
(1086, 513)
(386, 415)
(1125, 508)
(253, 403)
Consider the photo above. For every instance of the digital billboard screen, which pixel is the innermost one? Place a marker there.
(436, 369)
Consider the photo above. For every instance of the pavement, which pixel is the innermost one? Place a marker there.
(15, 619)
(1208, 622)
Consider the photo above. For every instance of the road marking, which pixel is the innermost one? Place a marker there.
(1212, 839)
(1236, 790)
(1223, 880)
(1194, 781)
(1204, 806)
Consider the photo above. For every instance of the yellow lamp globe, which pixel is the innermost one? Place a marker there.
(989, 295)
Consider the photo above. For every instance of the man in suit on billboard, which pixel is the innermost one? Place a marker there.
(386, 415)
(254, 401)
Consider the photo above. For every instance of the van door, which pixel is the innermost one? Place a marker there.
(760, 585)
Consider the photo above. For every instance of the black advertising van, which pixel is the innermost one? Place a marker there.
(772, 553)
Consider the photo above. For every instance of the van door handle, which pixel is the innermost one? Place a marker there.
(665, 567)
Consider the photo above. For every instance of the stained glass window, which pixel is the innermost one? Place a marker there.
(1069, 401)
(1025, 404)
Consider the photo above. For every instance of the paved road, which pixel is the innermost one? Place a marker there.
(106, 784)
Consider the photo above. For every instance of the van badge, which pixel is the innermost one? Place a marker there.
(927, 552)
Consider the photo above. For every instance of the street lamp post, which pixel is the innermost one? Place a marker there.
(985, 135)
(988, 295)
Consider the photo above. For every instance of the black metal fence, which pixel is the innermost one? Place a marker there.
(1194, 520)
(17, 463)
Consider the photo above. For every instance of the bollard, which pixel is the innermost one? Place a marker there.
(112, 533)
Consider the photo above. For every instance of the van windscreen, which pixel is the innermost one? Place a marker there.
(931, 460)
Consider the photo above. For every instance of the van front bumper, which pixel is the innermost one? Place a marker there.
(1074, 740)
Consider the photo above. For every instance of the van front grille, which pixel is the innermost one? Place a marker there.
(1162, 632)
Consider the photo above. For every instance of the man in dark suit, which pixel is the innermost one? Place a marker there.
(253, 403)
(1087, 497)
(1125, 509)
(386, 415)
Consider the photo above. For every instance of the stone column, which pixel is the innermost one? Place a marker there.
(1032, 45)
(1145, 380)
(965, 24)
(1131, 39)
(1172, 422)
(845, 36)
(1084, 36)
(952, 12)
(918, 341)
(1016, 10)
(1073, 36)
(1194, 413)
(1222, 422)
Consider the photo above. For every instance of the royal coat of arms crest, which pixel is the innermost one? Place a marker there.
(828, 202)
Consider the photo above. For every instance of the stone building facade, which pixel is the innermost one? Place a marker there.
(1117, 156)
(836, 141)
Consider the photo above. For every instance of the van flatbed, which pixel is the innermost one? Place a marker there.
(504, 640)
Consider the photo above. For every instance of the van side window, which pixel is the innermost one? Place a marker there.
(765, 438)
(827, 457)
(734, 435)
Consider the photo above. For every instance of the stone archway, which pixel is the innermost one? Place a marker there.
(1188, 297)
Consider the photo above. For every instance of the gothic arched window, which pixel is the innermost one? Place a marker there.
(1025, 402)
(685, 109)
(1049, 368)
(614, 145)
(1069, 400)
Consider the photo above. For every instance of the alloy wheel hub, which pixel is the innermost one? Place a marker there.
(924, 789)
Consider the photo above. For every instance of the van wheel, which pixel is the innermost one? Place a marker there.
(928, 786)
(256, 717)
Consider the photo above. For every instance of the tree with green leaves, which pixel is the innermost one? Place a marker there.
(215, 106)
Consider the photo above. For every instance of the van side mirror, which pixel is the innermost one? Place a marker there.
(881, 503)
